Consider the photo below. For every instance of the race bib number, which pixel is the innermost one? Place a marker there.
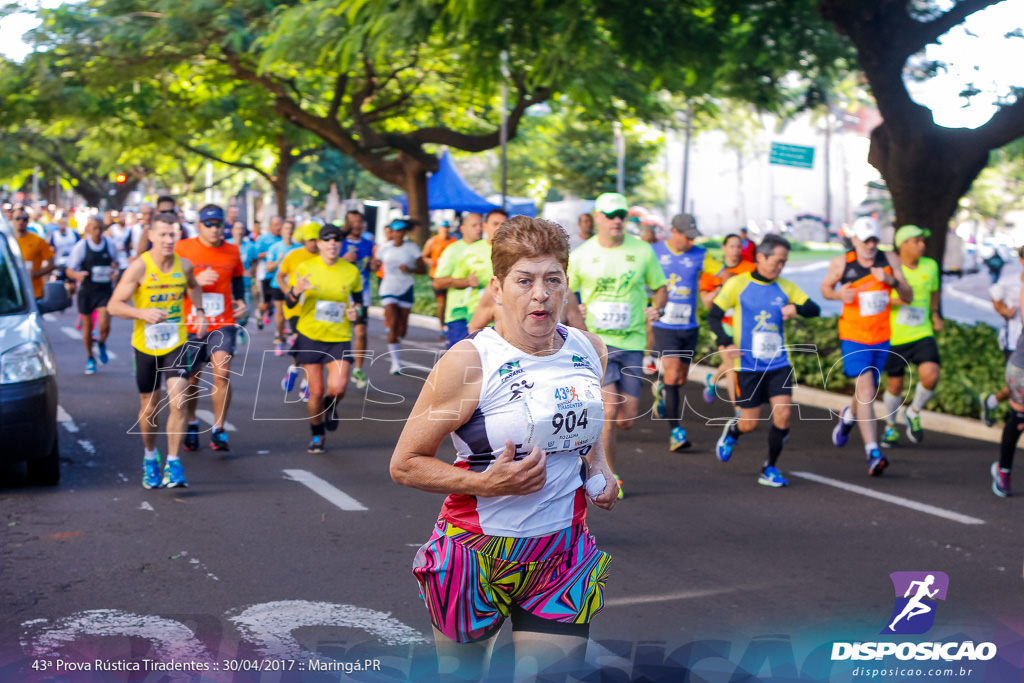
(677, 314)
(563, 417)
(213, 304)
(100, 274)
(609, 315)
(162, 336)
(329, 312)
(911, 316)
(872, 303)
(767, 345)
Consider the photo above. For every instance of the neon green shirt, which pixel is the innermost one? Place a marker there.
(611, 283)
(475, 259)
(913, 321)
(454, 303)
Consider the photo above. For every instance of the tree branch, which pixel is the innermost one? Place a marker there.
(1005, 126)
(929, 32)
(340, 86)
(478, 143)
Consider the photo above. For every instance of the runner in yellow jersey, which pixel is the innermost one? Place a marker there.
(152, 293)
(329, 290)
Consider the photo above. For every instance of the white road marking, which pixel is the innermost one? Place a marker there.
(426, 346)
(87, 446)
(170, 639)
(65, 420)
(326, 490)
(77, 336)
(415, 366)
(146, 506)
(207, 417)
(895, 500)
(270, 626)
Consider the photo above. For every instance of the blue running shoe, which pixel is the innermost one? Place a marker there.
(772, 477)
(102, 348)
(710, 388)
(876, 463)
(316, 445)
(677, 439)
(151, 473)
(658, 391)
(174, 475)
(90, 367)
(725, 442)
(219, 440)
(841, 433)
(191, 442)
(891, 436)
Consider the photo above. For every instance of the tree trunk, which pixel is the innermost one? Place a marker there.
(415, 186)
(927, 173)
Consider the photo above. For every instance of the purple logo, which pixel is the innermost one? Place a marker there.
(916, 593)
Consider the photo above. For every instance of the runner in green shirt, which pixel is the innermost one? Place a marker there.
(456, 315)
(611, 273)
(913, 335)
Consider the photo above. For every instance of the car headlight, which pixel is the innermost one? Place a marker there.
(26, 362)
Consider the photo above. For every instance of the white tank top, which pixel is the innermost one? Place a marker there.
(553, 402)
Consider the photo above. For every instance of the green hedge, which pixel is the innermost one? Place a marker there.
(972, 362)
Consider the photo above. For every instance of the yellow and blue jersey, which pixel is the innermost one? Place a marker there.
(757, 319)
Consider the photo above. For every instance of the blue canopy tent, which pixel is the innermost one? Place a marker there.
(447, 190)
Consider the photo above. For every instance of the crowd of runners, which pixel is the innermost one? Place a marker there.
(192, 288)
(548, 336)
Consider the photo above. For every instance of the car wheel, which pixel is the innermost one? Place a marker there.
(45, 471)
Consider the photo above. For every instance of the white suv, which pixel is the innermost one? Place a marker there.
(28, 374)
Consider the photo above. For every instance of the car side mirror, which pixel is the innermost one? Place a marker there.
(55, 298)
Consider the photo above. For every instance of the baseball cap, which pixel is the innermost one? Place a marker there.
(865, 228)
(686, 224)
(908, 232)
(330, 230)
(211, 213)
(609, 202)
(307, 231)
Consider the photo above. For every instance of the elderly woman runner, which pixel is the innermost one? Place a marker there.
(522, 403)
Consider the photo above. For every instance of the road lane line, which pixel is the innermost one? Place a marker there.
(416, 366)
(895, 500)
(77, 336)
(65, 420)
(207, 417)
(322, 488)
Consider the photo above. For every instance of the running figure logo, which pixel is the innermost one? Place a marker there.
(916, 592)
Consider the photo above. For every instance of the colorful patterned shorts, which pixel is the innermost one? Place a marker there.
(470, 581)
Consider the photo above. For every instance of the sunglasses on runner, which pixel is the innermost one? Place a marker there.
(214, 224)
(21, 218)
(616, 214)
(330, 238)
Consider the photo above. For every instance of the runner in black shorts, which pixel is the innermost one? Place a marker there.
(92, 263)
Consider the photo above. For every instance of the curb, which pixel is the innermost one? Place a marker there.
(808, 396)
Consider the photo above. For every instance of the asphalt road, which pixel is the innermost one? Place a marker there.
(251, 567)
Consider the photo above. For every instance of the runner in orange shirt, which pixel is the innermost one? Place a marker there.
(866, 279)
(35, 251)
(219, 271)
(432, 250)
